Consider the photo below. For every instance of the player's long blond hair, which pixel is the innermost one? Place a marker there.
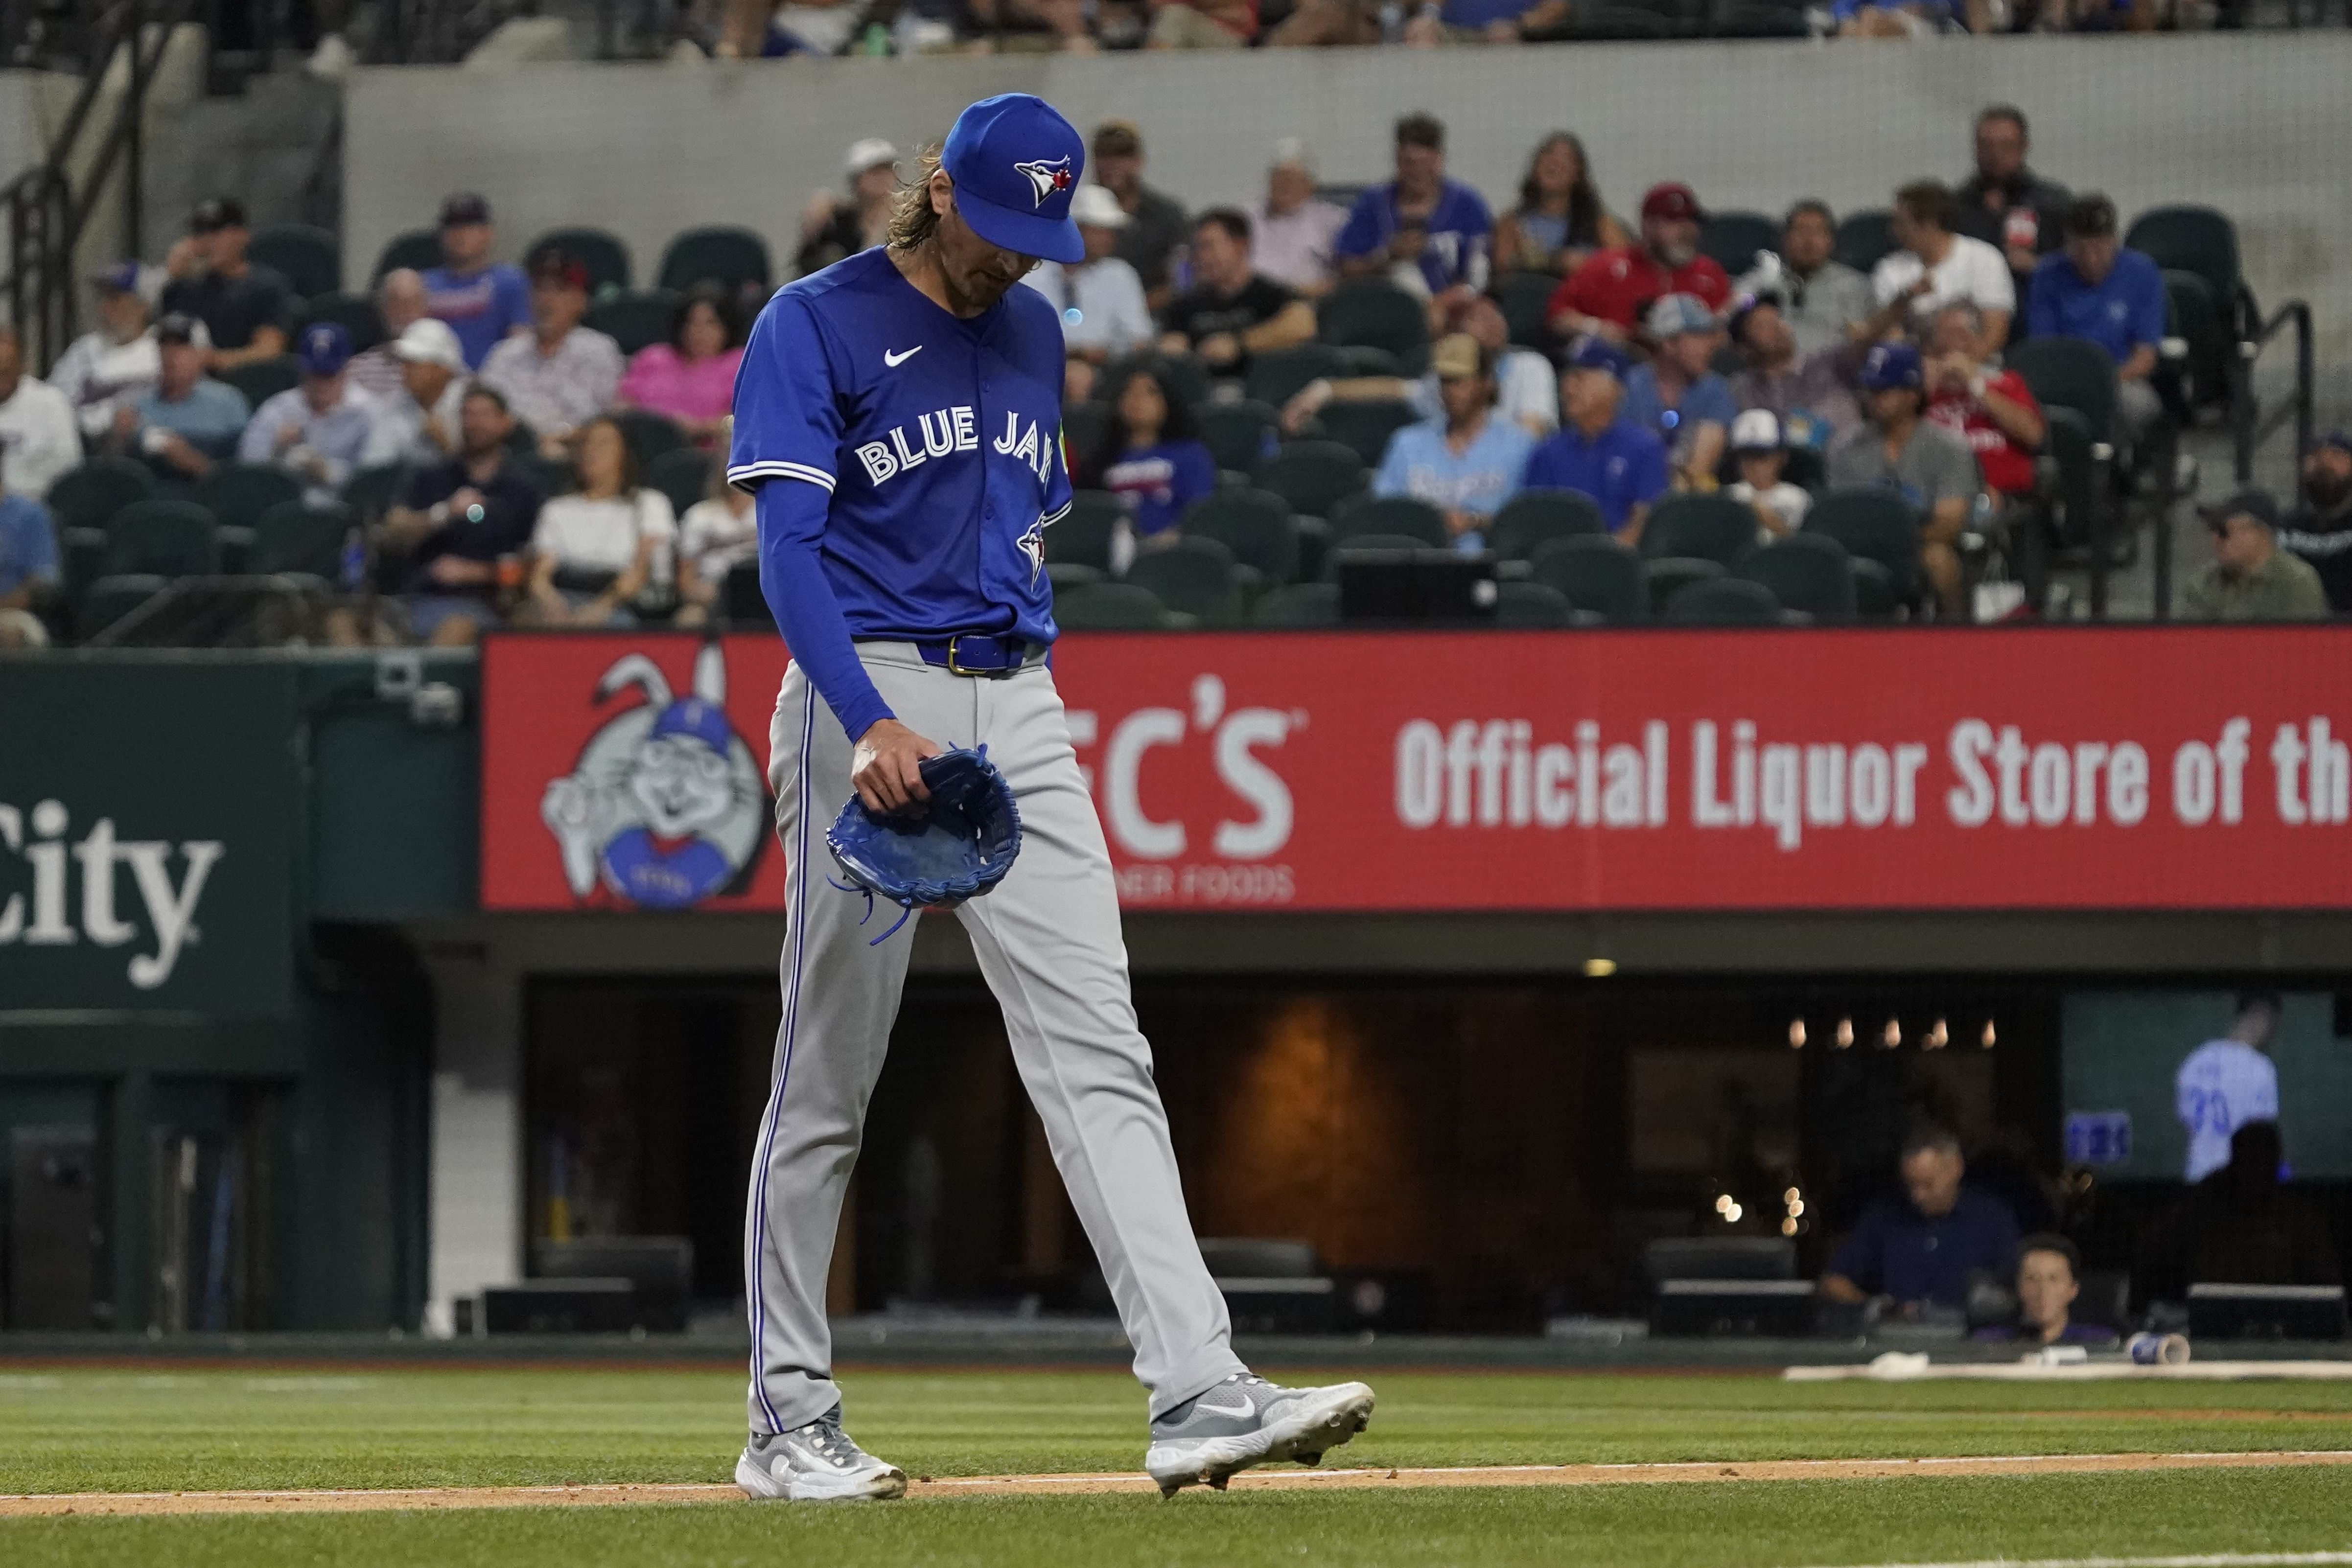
(912, 219)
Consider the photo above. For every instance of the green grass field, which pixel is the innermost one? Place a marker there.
(166, 1430)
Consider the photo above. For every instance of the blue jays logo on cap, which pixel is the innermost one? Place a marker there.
(1015, 164)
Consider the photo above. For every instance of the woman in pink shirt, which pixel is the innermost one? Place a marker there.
(691, 378)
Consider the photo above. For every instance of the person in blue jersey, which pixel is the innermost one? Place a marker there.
(1151, 457)
(1597, 450)
(897, 416)
(1422, 230)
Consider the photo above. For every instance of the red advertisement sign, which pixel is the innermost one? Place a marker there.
(2131, 767)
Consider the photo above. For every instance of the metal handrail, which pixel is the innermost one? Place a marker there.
(2254, 428)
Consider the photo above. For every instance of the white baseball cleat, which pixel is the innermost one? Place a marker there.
(815, 1463)
(1245, 1421)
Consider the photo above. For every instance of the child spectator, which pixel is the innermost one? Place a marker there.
(1152, 458)
(1757, 447)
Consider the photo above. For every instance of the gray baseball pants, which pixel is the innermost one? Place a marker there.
(1048, 943)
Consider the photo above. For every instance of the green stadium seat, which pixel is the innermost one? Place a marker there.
(1532, 606)
(237, 494)
(1810, 573)
(291, 537)
(600, 251)
(1709, 526)
(1533, 518)
(1733, 238)
(1275, 379)
(1109, 606)
(1365, 427)
(1373, 313)
(1085, 426)
(1394, 517)
(1084, 538)
(1522, 296)
(682, 474)
(1238, 435)
(1297, 604)
(1192, 577)
(87, 496)
(418, 249)
(163, 536)
(354, 313)
(1873, 524)
(649, 434)
(1595, 574)
(1255, 525)
(1313, 476)
(1722, 601)
(635, 320)
(1864, 239)
(263, 379)
(1668, 575)
(372, 492)
(310, 259)
(734, 258)
(2069, 372)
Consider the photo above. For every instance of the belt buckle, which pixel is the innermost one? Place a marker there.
(956, 669)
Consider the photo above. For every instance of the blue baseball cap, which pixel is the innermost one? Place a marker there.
(695, 720)
(326, 348)
(1015, 162)
(1594, 352)
(1892, 365)
(122, 277)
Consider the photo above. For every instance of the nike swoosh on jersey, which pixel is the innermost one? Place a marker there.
(901, 357)
(1236, 1411)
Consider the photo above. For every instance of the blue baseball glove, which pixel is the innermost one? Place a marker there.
(954, 846)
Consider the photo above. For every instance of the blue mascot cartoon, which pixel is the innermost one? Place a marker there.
(666, 806)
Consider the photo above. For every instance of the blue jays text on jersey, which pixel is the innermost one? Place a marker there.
(947, 431)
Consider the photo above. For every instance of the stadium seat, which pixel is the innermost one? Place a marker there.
(354, 313)
(296, 537)
(89, 496)
(372, 492)
(1532, 605)
(1085, 427)
(163, 536)
(1710, 527)
(1759, 19)
(1734, 238)
(1109, 607)
(1810, 573)
(1873, 525)
(310, 259)
(1532, 519)
(1395, 517)
(682, 474)
(1192, 577)
(2069, 372)
(109, 599)
(237, 494)
(1865, 238)
(418, 249)
(2197, 249)
(1522, 296)
(1275, 379)
(1065, 575)
(1365, 426)
(1373, 313)
(634, 321)
(1084, 536)
(1669, 575)
(2193, 315)
(1595, 574)
(1313, 476)
(1255, 525)
(263, 379)
(649, 434)
(2192, 239)
(1722, 601)
(1238, 435)
(554, 476)
(1297, 604)
(734, 258)
(1629, 21)
(598, 250)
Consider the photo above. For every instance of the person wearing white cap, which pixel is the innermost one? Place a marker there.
(1292, 229)
(400, 298)
(834, 225)
(1100, 299)
(1756, 445)
(418, 424)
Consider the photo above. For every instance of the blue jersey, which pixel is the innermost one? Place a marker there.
(918, 460)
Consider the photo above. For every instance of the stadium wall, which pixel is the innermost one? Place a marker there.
(2253, 124)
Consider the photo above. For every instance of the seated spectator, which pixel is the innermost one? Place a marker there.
(29, 570)
(2049, 1278)
(690, 379)
(1821, 298)
(38, 436)
(1202, 24)
(1422, 231)
(2243, 1225)
(320, 429)
(1467, 461)
(1231, 312)
(1757, 447)
(1919, 1250)
(1561, 220)
(1064, 22)
(105, 370)
(1910, 19)
(1441, 22)
(484, 302)
(1990, 409)
(1598, 450)
(1898, 449)
(421, 424)
(186, 421)
(1324, 24)
(1606, 296)
(1675, 393)
(1527, 389)
(1293, 229)
(1099, 300)
(2320, 530)
(2250, 578)
(597, 550)
(1152, 458)
(2096, 289)
(399, 302)
(834, 225)
(244, 309)
(1806, 393)
(560, 374)
(466, 523)
(718, 534)
(2007, 205)
(1931, 266)
(1157, 224)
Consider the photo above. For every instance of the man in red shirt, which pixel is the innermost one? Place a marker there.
(1609, 294)
(1992, 411)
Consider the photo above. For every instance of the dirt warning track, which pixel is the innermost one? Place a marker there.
(85, 1504)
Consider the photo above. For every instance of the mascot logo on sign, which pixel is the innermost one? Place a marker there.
(665, 807)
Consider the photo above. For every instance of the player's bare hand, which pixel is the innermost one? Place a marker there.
(886, 771)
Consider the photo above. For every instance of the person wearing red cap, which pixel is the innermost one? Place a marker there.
(559, 374)
(1608, 296)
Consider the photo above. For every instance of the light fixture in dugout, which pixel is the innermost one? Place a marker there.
(1892, 1035)
(1796, 1034)
(1989, 1038)
(1599, 968)
(1844, 1033)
